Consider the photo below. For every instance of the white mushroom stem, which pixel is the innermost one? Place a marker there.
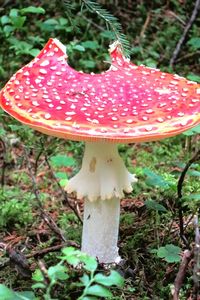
(101, 229)
(102, 180)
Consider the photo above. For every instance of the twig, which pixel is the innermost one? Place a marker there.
(3, 164)
(146, 23)
(64, 194)
(42, 252)
(187, 256)
(196, 271)
(47, 218)
(185, 32)
(195, 158)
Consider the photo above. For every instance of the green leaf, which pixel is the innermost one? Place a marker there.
(6, 293)
(5, 20)
(193, 173)
(62, 161)
(38, 285)
(79, 48)
(151, 204)
(61, 175)
(33, 10)
(13, 12)
(58, 272)
(85, 279)
(49, 25)
(194, 77)
(195, 43)
(113, 279)
(88, 63)
(37, 275)
(192, 131)
(18, 21)
(89, 298)
(27, 295)
(169, 253)
(90, 45)
(97, 290)
(34, 52)
(90, 263)
(8, 29)
(63, 182)
(71, 255)
(2, 131)
(155, 180)
(193, 197)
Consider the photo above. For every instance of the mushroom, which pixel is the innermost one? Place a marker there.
(125, 104)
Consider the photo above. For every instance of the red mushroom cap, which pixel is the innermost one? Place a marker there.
(127, 103)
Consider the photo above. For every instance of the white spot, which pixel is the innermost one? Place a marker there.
(149, 111)
(163, 91)
(195, 100)
(44, 63)
(114, 118)
(160, 120)
(58, 107)
(73, 106)
(70, 113)
(35, 103)
(37, 81)
(47, 116)
(43, 71)
(129, 121)
(198, 91)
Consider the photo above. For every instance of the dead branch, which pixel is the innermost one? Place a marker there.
(146, 23)
(64, 194)
(187, 256)
(196, 271)
(195, 158)
(47, 218)
(42, 252)
(185, 32)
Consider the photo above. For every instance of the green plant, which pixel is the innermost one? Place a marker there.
(170, 253)
(15, 208)
(92, 283)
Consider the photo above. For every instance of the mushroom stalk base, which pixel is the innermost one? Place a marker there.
(100, 229)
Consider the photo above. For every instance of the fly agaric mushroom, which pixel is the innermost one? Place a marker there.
(125, 104)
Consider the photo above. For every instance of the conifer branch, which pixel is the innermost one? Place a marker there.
(110, 20)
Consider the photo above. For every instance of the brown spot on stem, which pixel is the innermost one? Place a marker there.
(92, 166)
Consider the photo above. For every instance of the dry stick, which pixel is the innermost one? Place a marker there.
(47, 218)
(195, 158)
(42, 252)
(185, 32)
(196, 271)
(187, 256)
(4, 164)
(64, 194)
(146, 23)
